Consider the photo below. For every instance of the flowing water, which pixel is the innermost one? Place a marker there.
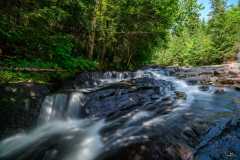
(132, 115)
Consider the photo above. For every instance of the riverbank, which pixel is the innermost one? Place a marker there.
(45, 75)
(225, 75)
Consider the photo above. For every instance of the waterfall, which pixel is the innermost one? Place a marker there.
(62, 106)
(84, 133)
(118, 110)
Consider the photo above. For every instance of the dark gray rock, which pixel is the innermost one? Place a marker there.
(181, 95)
(20, 106)
(126, 95)
(204, 87)
(219, 91)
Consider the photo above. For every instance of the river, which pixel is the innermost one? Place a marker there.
(143, 115)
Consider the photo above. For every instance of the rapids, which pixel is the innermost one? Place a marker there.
(140, 115)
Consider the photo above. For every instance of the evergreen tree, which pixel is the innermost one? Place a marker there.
(215, 28)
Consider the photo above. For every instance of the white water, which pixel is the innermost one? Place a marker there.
(89, 144)
(180, 85)
(59, 113)
(109, 78)
(61, 106)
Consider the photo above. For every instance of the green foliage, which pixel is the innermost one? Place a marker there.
(126, 31)
(231, 32)
(71, 64)
(15, 77)
(187, 49)
(187, 16)
(45, 78)
(115, 34)
(224, 30)
(204, 44)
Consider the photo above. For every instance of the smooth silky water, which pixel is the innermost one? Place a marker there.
(64, 132)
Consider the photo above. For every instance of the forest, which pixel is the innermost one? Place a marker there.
(79, 35)
(119, 79)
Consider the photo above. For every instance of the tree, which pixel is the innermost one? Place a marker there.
(92, 31)
(187, 16)
(216, 26)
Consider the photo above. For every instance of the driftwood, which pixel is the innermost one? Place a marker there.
(31, 69)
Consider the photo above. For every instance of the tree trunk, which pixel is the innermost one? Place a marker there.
(103, 54)
(92, 34)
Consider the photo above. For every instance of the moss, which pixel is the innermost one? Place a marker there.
(70, 65)
(41, 78)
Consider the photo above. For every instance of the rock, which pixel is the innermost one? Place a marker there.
(91, 79)
(219, 74)
(225, 81)
(20, 106)
(237, 87)
(204, 88)
(181, 95)
(155, 96)
(125, 96)
(219, 91)
(153, 150)
(223, 144)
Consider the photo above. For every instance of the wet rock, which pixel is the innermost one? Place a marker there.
(204, 88)
(237, 87)
(20, 106)
(125, 96)
(223, 144)
(194, 80)
(181, 95)
(155, 96)
(219, 91)
(152, 150)
(90, 79)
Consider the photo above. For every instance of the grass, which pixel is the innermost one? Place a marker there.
(42, 78)
(71, 65)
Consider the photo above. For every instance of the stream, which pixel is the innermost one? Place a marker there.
(143, 115)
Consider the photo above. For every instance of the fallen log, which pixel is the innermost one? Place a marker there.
(31, 69)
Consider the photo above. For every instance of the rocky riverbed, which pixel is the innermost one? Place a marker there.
(220, 75)
(154, 113)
